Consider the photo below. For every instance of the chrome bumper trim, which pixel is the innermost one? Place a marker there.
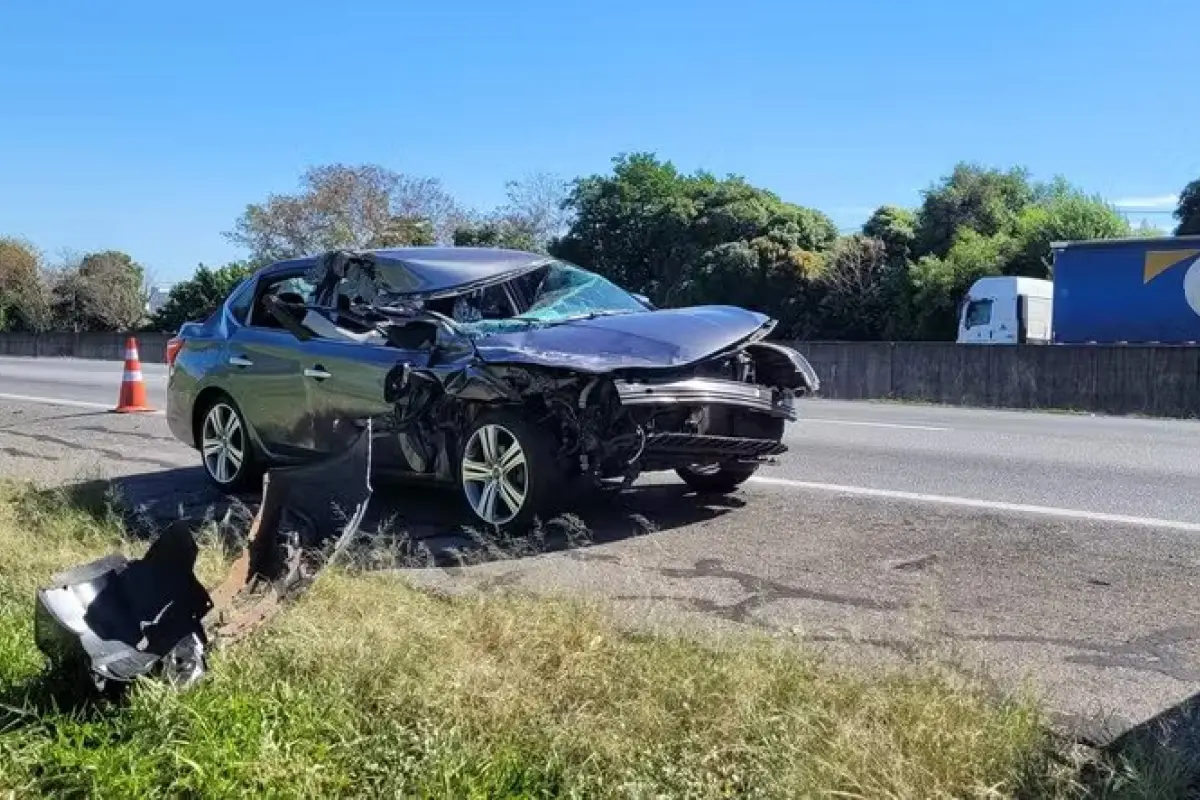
(706, 391)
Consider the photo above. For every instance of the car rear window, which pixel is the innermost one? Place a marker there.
(240, 301)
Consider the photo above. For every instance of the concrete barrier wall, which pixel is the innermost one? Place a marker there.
(1116, 379)
(1159, 381)
(152, 347)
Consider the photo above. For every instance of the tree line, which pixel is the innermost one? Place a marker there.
(678, 238)
(96, 291)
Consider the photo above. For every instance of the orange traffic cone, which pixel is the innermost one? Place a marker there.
(133, 387)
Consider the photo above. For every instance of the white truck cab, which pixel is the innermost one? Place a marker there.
(1007, 310)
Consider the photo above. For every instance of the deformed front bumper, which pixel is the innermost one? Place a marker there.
(707, 391)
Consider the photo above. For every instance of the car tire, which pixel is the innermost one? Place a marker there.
(226, 451)
(716, 478)
(493, 478)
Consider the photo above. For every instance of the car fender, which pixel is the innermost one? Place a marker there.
(784, 366)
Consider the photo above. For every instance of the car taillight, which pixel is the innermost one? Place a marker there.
(174, 345)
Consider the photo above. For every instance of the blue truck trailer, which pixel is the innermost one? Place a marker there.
(1106, 291)
(1127, 290)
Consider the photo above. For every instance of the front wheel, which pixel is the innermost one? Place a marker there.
(716, 478)
(507, 472)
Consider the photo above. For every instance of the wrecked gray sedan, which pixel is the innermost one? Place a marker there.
(511, 375)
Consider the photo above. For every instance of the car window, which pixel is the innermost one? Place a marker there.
(241, 300)
(297, 292)
(525, 287)
(979, 312)
(547, 296)
(293, 289)
(345, 294)
(494, 302)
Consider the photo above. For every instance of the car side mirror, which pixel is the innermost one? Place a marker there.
(641, 298)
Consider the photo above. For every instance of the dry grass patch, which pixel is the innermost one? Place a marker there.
(368, 687)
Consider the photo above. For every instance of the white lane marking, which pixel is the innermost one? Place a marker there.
(988, 505)
(901, 426)
(60, 401)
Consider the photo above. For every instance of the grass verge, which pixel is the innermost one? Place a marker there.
(368, 687)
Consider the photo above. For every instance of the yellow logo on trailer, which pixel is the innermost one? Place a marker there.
(1159, 261)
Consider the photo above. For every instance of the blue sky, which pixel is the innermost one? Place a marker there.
(148, 127)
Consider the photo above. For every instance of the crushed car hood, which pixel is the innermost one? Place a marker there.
(655, 339)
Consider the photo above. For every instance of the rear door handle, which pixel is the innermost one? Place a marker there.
(317, 372)
(240, 361)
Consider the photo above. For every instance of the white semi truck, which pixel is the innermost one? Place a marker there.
(1007, 310)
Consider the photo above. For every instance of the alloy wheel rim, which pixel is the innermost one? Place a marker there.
(223, 444)
(495, 475)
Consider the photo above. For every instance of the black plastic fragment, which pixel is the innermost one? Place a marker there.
(119, 619)
(306, 508)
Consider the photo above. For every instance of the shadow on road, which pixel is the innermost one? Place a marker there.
(409, 526)
(1158, 757)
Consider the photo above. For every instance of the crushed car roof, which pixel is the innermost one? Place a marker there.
(426, 270)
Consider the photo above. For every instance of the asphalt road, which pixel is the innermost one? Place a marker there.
(75, 380)
(1095, 466)
(1061, 548)
(1098, 465)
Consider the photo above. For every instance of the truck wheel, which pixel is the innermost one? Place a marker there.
(716, 478)
(507, 471)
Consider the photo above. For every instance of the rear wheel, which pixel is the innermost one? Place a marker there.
(507, 471)
(225, 449)
(716, 478)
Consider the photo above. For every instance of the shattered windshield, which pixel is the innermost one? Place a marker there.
(556, 293)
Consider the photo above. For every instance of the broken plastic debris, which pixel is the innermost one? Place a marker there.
(309, 514)
(117, 620)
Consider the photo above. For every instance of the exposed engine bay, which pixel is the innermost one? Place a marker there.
(623, 388)
(607, 426)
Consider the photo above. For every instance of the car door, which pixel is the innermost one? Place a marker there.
(264, 372)
(346, 383)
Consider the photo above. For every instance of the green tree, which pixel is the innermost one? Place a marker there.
(404, 232)
(102, 291)
(68, 299)
(25, 287)
(986, 201)
(896, 227)
(533, 215)
(687, 238)
(940, 283)
(507, 233)
(535, 210)
(766, 274)
(633, 225)
(343, 206)
(1064, 215)
(979, 221)
(1188, 210)
(861, 295)
(199, 296)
